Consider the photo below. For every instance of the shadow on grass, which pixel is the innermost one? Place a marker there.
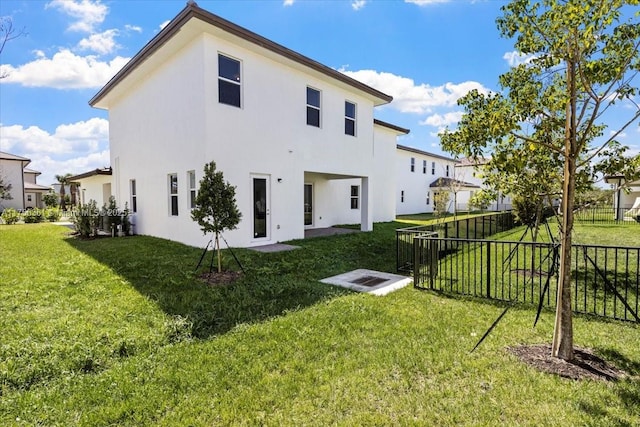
(163, 271)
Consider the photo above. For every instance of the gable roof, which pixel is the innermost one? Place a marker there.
(424, 153)
(27, 170)
(193, 11)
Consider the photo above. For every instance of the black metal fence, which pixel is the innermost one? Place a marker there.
(477, 227)
(605, 280)
(604, 215)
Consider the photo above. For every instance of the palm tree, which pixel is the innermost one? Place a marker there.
(63, 180)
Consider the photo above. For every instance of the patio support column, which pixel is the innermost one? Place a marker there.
(366, 205)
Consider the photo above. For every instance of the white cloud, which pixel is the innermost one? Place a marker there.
(135, 28)
(287, 2)
(426, 2)
(516, 58)
(83, 136)
(101, 43)
(409, 97)
(441, 120)
(622, 135)
(74, 148)
(65, 70)
(358, 4)
(164, 24)
(88, 14)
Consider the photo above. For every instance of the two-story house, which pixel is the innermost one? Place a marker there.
(298, 139)
(25, 192)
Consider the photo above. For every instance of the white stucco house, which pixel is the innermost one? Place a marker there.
(470, 171)
(25, 191)
(94, 185)
(420, 175)
(298, 139)
(626, 198)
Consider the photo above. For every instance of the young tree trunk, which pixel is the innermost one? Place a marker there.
(219, 256)
(562, 346)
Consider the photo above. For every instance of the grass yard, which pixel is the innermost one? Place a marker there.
(121, 332)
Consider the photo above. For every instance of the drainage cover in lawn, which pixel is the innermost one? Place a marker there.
(368, 280)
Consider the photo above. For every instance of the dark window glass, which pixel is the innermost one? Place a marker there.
(349, 118)
(349, 127)
(313, 97)
(174, 205)
(228, 68)
(350, 110)
(313, 116)
(228, 93)
(355, 196)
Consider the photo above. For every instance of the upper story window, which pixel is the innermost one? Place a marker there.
(173, 194)
(413, 164)
(447, 171)
(313, 107)
(349, 118)
(402, 196)
(433, 168)
(228, 81)
(424, 166)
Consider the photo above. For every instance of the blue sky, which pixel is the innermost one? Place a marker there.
(425, 53)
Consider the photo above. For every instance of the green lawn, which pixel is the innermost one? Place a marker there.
(120, 332)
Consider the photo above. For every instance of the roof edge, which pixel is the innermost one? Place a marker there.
(103, 171)
(426, 153)
(391, 126)
(192, 10)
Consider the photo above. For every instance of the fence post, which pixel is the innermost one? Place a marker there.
(488, 270)
(416, 262)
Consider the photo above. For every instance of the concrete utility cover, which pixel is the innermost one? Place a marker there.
(369, 281)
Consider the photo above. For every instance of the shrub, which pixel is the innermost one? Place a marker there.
(86, 219)
(52, 214)
(10, 216)
(50, 199)
(33, 216)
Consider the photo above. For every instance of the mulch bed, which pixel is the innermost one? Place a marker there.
(585, 365)
(224, 278)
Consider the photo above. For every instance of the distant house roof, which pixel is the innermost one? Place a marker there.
(7, 156)
(102, 171)
(470, 161)
(390, 126)
(193, 11)
(35, 187)
(425, 153)
(27, 170)
(443, 182)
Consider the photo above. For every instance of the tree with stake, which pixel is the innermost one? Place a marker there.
(216, 209)
(583, 58)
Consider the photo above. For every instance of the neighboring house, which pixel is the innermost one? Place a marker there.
(298, 139)
(626, 199)
(94, 185)
(469, 170)
(25, 191)
(419, 176)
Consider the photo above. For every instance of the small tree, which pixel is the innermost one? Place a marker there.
(50, 199)
(5, 190)
(63, 180)
(216, 209)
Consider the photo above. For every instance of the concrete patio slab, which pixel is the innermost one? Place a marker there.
(274, 247)
(369, 281)
(329, 231)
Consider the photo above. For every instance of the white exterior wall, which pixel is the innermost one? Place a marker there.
(415, 185)
(11, 173)
(468, 173)
(92, 188)
(171, 122)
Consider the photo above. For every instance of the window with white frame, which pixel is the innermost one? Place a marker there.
(191, 181)
(355, 197)
(313, 107)
(349, 118)
(424, 166)
(433, 168)
(413, 164)
(447, 170)
(173, 194)
(229, 84)
(428, 197)
(402, 196)
(134, 195)
(28, 197)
